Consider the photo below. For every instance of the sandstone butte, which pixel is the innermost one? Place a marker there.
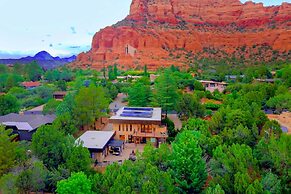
(159, 33)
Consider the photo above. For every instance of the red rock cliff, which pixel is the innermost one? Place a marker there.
(164, 32)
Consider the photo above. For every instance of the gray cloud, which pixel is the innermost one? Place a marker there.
(73, 30)
(75, 47)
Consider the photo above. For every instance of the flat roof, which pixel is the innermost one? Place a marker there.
(154, 115)
(95, 139)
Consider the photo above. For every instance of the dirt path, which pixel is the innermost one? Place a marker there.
(284, 119)
(176, 120)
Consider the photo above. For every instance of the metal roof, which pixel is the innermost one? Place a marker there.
(27, 122)
(115, 143)
(95, 139)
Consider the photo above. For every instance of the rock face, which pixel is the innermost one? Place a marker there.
(164, 32)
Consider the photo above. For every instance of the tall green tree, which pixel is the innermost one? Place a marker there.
(33, 71)
(78, 160)
(90, 104)
(166, 94)
(51, 146)
(189, 168)
(272, 183)
(190, 106)
(38, 176)
(145, 70)
(67, 105)
(215, 190)
(8, 150)
(8, 104)
(139, 95)
(227, 161)
(66, 123)
(24, 181)
(273, 153)
(8, 184)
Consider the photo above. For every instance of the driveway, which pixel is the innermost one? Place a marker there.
(117, 102)
(176, 120)
(128, 148)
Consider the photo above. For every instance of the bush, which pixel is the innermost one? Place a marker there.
(212, 106)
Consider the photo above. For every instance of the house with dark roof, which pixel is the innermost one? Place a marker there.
(24, 125)
(59, 95)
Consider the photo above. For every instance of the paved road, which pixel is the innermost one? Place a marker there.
(115, 105)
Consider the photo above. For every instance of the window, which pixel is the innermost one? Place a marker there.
(118, 127)
(130, 127)
(126, 127)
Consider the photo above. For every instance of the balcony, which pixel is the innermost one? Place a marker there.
(160, 132)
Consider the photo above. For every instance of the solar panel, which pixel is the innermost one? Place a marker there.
(138, 109)
(135, 115)
(137, 112)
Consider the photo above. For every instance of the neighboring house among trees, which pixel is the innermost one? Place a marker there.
(265, 80)
(30, 85)
(234, 77)
(127, 77)
(139, 125)
(212, 85)
(25, 125)
(59, 95)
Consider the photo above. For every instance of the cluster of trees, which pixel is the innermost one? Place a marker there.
(84, 106)
(163, 170)
(166, 93)
(54, 154)
(62, 74)
(275, 96)
(31, 98)
(12, 76)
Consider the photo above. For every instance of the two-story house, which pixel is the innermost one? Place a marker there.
(139, 125)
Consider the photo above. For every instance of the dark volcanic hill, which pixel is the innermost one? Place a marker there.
(43, 58)
(164, 32)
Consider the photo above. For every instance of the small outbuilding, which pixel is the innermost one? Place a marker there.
(59, 95)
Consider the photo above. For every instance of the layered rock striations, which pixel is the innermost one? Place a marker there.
(164, 32)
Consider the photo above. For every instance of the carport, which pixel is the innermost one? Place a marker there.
(116, 144)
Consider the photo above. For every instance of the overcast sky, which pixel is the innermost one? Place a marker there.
(61, 27)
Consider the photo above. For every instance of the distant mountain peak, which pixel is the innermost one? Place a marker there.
(43, 55)
(43, 58)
